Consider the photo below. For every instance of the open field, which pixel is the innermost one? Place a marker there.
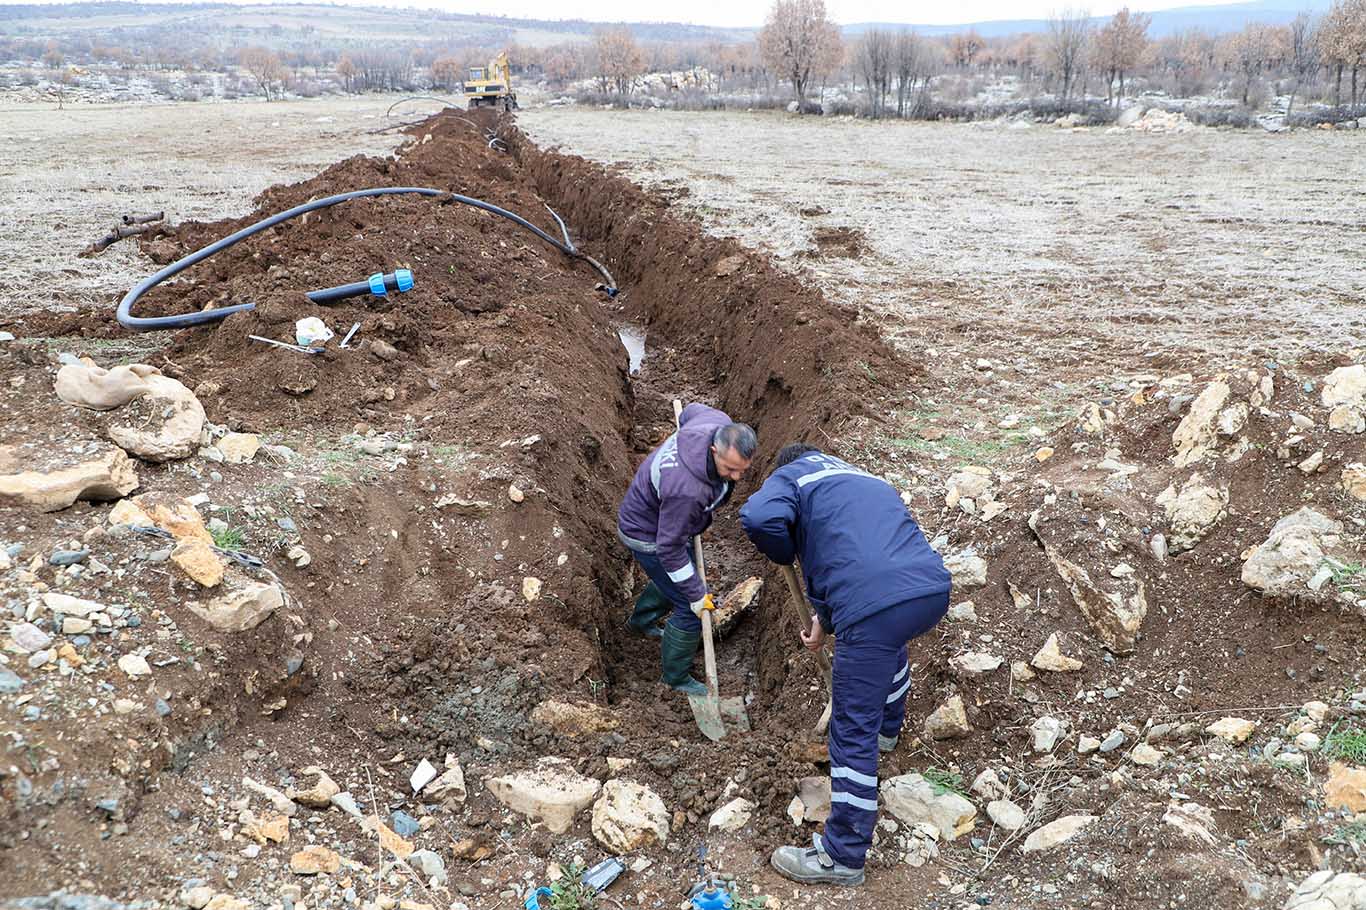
(1117, 378)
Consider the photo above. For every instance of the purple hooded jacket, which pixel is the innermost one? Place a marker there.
(673, 495)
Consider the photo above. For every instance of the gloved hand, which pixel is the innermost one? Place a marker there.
(706, 603)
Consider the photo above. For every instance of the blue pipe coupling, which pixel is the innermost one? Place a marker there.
(400, 280)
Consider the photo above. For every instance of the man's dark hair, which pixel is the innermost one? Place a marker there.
(790, 453)
(738, 438)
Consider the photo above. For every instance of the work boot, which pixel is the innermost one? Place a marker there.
(650, 608)
(887, 743)
(813, 866)
(676, 653)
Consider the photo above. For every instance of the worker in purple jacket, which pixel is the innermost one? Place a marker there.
(670, 501)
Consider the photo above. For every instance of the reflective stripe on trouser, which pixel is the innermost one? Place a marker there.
(871, 682)
(682, 618)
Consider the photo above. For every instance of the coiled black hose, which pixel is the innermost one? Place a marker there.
(157, 323)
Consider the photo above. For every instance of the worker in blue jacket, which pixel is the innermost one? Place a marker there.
(875, 584)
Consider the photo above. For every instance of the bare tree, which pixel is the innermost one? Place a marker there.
(1249, 52)
(447, 73)
(619, 59)
(1304, 55)
(964, 48)
(911, 61)
(797, 41)
(1343, 42)
(347, 70)
(264, 67)
(1119, 48)
(1068, 34)
(874, 57)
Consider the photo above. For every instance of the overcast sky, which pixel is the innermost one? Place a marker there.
(752, 12)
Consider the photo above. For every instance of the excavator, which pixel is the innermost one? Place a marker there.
(491, 86)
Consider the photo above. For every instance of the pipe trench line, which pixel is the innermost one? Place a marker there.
(185, 320)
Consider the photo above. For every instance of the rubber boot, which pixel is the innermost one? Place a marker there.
(651, 606)
(675, 659)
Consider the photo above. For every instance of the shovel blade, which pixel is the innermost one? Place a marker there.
(706, 710)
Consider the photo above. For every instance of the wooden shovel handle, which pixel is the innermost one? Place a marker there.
(708, 647)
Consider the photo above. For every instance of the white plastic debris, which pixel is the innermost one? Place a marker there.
(311, 331)
(423, 775)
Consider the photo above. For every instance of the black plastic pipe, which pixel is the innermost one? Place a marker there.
(183, 320)
(378, 285)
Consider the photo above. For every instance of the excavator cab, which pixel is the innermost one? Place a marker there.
(491, 86)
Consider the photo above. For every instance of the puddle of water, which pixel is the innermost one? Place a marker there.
(633, 339)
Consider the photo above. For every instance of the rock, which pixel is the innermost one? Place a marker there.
(1312, 463)
(1328, 890)
(404, 825)
(814, 794)
(10, 682)
(1145, 755)
(429, 864)
(163, 425)
(272, 828)
(422, 775)
(107, 474)
(1292, 553)
(1115, 617)
(1191, 819)
(1113, 741)
(1051, 658)
(1308, 742)
(1346, 788)
(67, 605)
(174, 514)
(382, 349)
(1006, 814)
(1354, 481)
(629, 817)
(913, 800)
(1345, 386)
(1087, 744)
(1043, 453)
(347, 803)
(553, 793)
(29, 638)
(948, 721)
(239, 448)
(198, 561)
(728, 266)
(967, 610)
(733, 816)
(1231, 420)
(967, 570)
(569, 719)
(227, 902)
(1193, 512)
(314, 860)
(1346, 419)
(196, 898)
(242, 608)
(741, 597)
(67, 557)
(134, 665)
(1047, 731)
(974, 663)
(988, 785)
(89, 386)
(450, 786)
(531, 588)
(515, 493)
(969, 483)
(283, 804)
(76, 625)
(1020, 672)
(319, 796)
(1056, 832)
(1232, 729)
(1196, 435)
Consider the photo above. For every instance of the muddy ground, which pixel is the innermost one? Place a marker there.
(412, 630)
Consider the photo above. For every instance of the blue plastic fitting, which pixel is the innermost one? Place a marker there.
(713, 899)
(404, 279)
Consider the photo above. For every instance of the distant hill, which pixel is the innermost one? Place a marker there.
(1165, 22)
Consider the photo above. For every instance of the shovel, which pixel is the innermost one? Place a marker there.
(711, 711)
(802, 611)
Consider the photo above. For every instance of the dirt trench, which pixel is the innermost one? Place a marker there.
(503, 367)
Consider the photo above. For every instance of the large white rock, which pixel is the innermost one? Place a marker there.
(1354, 481)
(104, 473)
(245, 607)
(1232, 729)
(162, 425)
(1328, 890)
(629, 817)
(733, 816)
(1197, 433)
(450, 786)
(814, 795)
(1056, 832)
(1006, 814)
(912, 800)
(967, 570)
(1051, 658)
(1345, 385)
(1346, 419)
(552, 793)
(1193, 511)
(1047, 731)
(974, 663)
(88, 386)
(1293, 552)
(67, 605)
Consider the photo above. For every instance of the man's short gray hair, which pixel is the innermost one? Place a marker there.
(739, 438)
